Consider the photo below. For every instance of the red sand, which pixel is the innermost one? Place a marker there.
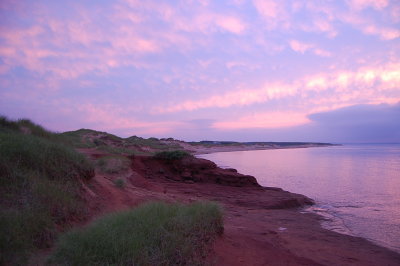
(263, 226)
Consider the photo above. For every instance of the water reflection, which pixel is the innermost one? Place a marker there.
(359, 184)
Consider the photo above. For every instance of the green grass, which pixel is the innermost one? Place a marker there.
(152, 234)
(118, 150)
(119, 183)
(39, 188)
(113, 164)
(153, 143)
(172, 155)
(87, 138)
(76, 138)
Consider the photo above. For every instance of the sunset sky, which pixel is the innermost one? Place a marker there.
(259, 70)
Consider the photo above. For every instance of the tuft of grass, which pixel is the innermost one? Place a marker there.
(172, 155)
(76, 138)
(39, 188)
(113, 164)
(120, 183)
(118, 150)
(152, 234)
(6, 124)
(152, 143)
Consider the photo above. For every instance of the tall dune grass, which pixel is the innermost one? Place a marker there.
(39, 188)
(153, 234)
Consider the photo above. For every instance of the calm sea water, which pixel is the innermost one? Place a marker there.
(357, 187)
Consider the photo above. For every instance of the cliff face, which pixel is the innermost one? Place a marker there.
(200, 177)
(262, 224)
(191, 170)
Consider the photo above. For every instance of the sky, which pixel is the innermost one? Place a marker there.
(245, 70)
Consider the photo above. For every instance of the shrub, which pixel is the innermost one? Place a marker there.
(153, 234)
(172, 155)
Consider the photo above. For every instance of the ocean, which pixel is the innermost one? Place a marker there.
(355, 187)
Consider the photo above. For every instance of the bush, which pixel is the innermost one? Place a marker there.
(172, 155)
(153, 234)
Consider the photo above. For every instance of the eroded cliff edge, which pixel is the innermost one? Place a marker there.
(263, 226)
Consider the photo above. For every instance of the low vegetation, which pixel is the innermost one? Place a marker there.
(113, 164)
(153, 234)
(87, 138)
(119, 183)
(41, 177)
(39, 188)
(172, 155)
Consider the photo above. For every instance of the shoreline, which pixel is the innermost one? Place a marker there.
(263, 226)
(203, 149)
(329, 222)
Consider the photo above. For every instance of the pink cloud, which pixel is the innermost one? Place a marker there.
(264, 120)
(62, 40)
(366, 79)
(302, 47)
(324, 25)
(241, 97)
(361, 4)
(274, 13)
(232, 65)
(267, 8)
(322, 15)
(208, 22)
(383, 32)
(231, 24)
(110, 117)
(322, 53)
(370, 27)
(317, 83)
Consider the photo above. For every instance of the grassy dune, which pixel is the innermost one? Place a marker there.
(153, 234)
(39, 187)
(41, 178)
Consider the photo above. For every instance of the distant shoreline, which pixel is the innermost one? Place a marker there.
(200, 148)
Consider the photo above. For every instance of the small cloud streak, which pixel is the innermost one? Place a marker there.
(231, 24)
(241, 98)
(361, 4)
(299, 46)
(302, 47)
(264, 120)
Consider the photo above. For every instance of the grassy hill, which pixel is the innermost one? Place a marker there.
(42, 175)
(87, 138)
(39, 188)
